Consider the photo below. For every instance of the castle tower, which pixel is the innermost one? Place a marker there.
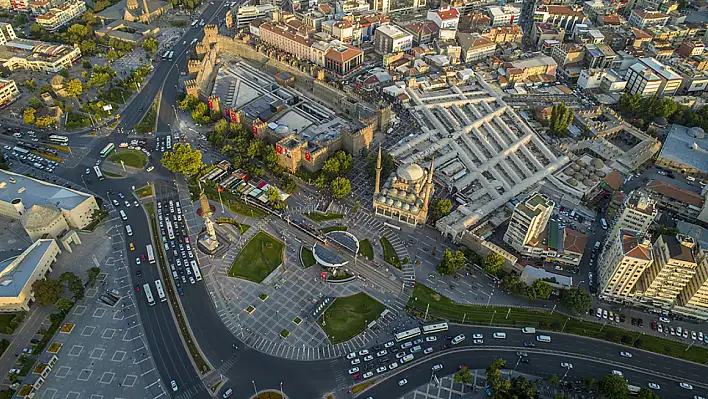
(378, 173)
(132, 4)
(146, 10)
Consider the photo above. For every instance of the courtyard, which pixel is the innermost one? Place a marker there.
(348, 316)
(258, 258)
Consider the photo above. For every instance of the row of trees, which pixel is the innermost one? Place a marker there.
(48, 291)
(561, 118)
(642, 111)
(331, 176)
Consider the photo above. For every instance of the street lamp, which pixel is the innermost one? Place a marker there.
(255, 391)
(579, 282)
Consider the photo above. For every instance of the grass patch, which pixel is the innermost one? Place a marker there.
(261, 255)
(360, 387)
(5, 320)
(67, 328)
(111, 174)
(269, 395)
(202, 365)
(147, 124)
(284, 333)
(333, 228)
(390, 255)
(242, 227)
(323, 217)
(444, 308)
(340, 276)
(250, 309)
(366, 249)
(144, 192)
(306, 257)
(233, 202)
(263, 296)
(54, 347)
(348, 316)
(132, 158)
(297, 321)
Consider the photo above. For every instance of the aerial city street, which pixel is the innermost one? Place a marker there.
(353, 199)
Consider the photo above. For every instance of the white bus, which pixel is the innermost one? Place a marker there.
(148, 294)
(59, 139)
(20, 150)
(107, 149)
(170, 231)
(195, 269)
(404, 335)
(99, 175)
(433, 328)
(151, 254)
(169, 57)
(164, 56)
(168, 142)
(160, 291)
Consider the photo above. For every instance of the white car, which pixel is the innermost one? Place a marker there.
(88, 171)
(431, 339)
(406, 345)
(477, 336)
(428, 351)
(368, 374)
(389, 344)
(368, 358)
(400, 355)
(567, 365)
(127, 204)
(617, 372)
(694, 336)
(393, 365)
(626, 354)
(664, 320)
(353, 370)
(685, 385)
(654, 386)
(381, 353)
(381, 369)
(174, 385)
(402, 382)
(437, 367)
(478, 341)
(353, 362)
(137, 261)
(363, 352)
(351, 356)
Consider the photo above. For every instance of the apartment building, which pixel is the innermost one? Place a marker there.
(691, 48)
(342, 59)
(642, 19)
(693, 300)
(7, 33)
(649, 77)
(681, 204)
(531, 67)
(61, 15)
(562, 16)
(637, 213)
(392, 39)
(20, 5)
(568, 53)
(8, 92)
(543, 32)
(39, 56)
(528, 222)
(246, 14)
(445, 18)
(627, 255)
(286, 39)
(675, 263)
(504, 15)
(475, 47)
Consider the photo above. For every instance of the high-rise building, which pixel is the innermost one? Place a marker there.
(693, 300)
(636, 213)
(675, 264)
(627, 256)
(528, 221)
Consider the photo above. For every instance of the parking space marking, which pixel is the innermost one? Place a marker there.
(62, 371)
(76, 350)
(91, 292)
(47, 395)
(108, 333)
(79, 310)
(118, 356)
(96, 396)
(88, 331)
(98, 313)
(73, 395)
(97, 353)
(84, 375)
(107, 377)
(130, 380)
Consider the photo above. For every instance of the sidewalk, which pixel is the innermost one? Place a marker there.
(23, 335)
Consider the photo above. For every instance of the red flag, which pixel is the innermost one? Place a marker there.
(221, 189)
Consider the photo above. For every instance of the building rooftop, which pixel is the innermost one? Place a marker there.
(634, 246)
(36, 192)
(679, 249)
(574, 241)
(15, 272)
(686, 146)
(659, 68)
(392, 31)
(679, 194)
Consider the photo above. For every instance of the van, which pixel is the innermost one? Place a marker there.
(528, 330)
(543, 338)
(129, 229)
(458, 339)
(603, 223)
(572, 215)
(123, 215)
(499, 335)
(228, 393)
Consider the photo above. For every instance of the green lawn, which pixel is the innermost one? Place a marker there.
(111, 174)
(242, 227)
(5, 319)
(147, 124)
(322, 217)
(444, 308)
(133, 158)
(348, 316)
(235, 203)
(261, 255)
(366, 249)
(306, 257)
(333, 228)
(390, 255)
(145, 191)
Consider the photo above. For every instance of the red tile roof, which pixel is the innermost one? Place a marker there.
(632, 247)
(574, 241)
(679, 194)
(343, 53)
(448, 14)
(614, 180)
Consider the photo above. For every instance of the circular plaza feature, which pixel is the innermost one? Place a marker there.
(346, 239)
(327, 258)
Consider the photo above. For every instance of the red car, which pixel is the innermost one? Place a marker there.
(137, 287)
(142, 257)
(443, 347)
(356, 376)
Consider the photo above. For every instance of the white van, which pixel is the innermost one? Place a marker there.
(129, 229)
(499, 335)
(528, 330)
(458, 339)
(543, 338)
(123, 215)
(229, 391)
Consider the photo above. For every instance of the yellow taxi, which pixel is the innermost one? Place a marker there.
(132, 247)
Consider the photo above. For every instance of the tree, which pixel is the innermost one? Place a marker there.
(440, 208)
(221, 126)
(45, 121)
(87, 46)
(346, 162)
(561, 118)
(36, 31)
(341, 187)
(47, 291)
(273, 194)
(553, 380)
(269, 157)
(451, 262)
(89, 17)
(113, 55)
(64, 304)
(494, 375)
(613, 386)
(30, 84)
(646, 393)
(29, 116)
(543, 289)
(463, 376)
(74, 88)
(35, 102)
(93, 274)
(150, 45)
(76, 32)
(521, 388)
(576, 300)
(493, 263)
(182, 159)
(331, 167)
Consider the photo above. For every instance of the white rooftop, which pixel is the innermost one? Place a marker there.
(15, 272)
(37, 192)
(660, 69)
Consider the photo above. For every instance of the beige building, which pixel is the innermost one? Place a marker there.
(528, 222)
(627, 255)
(636, 213)
(7, 33)
(284, 38)
(8, 91)
(693, 300)
(406, 194)
(675, 264)
(18, 273)
(44, 209)
(61, 15)
(39, 56)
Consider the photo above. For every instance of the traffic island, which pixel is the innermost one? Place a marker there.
(307, 259)
(258, 258)
(366, 249)
(67, 328)
(390, 255)
(323, 217)
(270, 394)
(132, 158)
(347, 317)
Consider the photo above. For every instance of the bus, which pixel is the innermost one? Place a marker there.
(195, 269)
(168, 142)
(170, 231)
(433, 328)
(59, 139)
(20, 150)
(160, 291)
(151, 254)
(164, 56)
(169, 57)
(402, 336)
(99, 175)
(107, 149)
(148, 294)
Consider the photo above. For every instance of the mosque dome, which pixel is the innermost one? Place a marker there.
(410, 172)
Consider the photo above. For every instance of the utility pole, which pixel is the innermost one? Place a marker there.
(566, 322)
(492, 319)
(554, 308)
(507, 314)
(463, 318)
(425, 319)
